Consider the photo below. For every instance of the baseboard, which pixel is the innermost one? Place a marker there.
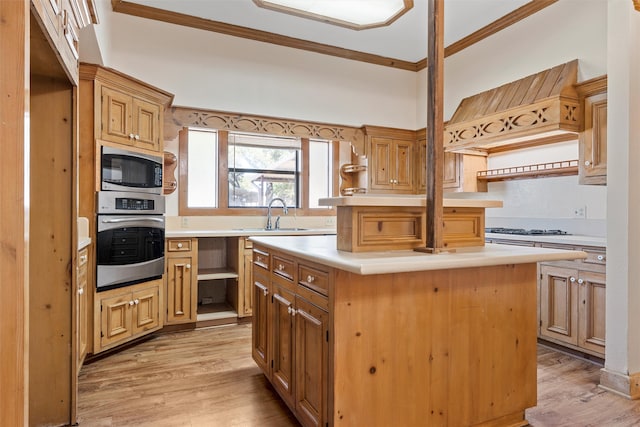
(624, 385)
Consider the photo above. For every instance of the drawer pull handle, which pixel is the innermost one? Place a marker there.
(258, 258)
(310, 279)
(280, 267)
(600, 257)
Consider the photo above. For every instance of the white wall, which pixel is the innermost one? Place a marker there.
(219, 72)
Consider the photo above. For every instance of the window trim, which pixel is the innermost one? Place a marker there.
(223, 181)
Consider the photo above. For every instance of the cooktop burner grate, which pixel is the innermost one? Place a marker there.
(525, 232)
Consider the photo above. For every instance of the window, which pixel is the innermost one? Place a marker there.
(262, 168)
(230, 173)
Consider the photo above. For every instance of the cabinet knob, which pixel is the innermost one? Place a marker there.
(83, 258)
(291, 310)
(258, 258)
(136, 137)
(188, 266)
(587, 163)
(80, 291)
(265, 291)
(310, 279)
(130, 302)
(280, 267)
(572, 279)
(179, 245)
(130, 136)
(581, 281)
(136, 301)
(600, 257)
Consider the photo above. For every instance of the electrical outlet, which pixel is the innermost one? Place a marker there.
(184, 222)
(580, 212)
(330, 221)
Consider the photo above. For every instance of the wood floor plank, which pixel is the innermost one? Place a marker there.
(206, 378)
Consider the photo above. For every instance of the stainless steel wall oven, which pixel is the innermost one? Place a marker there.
(130, 246)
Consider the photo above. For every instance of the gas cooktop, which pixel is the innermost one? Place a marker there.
(525, 232)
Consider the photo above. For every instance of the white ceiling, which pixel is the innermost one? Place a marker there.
(404, 39)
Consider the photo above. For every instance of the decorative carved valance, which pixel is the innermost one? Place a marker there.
(178, 117)
(537, 106)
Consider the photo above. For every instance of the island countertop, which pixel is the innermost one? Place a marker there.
(322, 250)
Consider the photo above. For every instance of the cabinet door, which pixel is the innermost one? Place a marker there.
(403, 174)
(115, 319)
(181, 307)
(146, 313)
(593, 141)
(312, 357)
(82, 315)
(247, 307)
(116, 116)
(451, 172)
(559, 304)
(381, 168)
(260, 322)
(146, 124)
(591, 311)
(282, 342)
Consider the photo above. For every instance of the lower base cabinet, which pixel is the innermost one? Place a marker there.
(291, 333)
(127, 313)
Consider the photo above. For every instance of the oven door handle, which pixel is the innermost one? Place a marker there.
(118, 220)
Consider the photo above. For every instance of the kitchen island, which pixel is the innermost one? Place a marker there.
(398, 337)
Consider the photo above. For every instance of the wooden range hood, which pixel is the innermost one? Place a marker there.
(538, 109)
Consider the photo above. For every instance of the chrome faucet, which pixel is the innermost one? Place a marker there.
(284, 211)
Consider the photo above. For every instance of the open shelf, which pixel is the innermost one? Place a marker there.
(216, 273)
(215, 311)
(561, 168)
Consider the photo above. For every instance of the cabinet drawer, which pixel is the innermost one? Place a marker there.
(175, 245)
(261, 259)
(313, 297)
(283, 267)
(595, 256)
(313, 278)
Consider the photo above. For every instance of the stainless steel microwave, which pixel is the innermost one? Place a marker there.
(124, 170)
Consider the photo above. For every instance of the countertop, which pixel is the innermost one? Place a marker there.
(243, 232)
(322, 249)
(389, 200)
(567, 239)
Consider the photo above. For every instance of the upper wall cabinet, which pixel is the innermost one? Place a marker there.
(391, 154)
(125, 110)
(592, 168)
(61, 21)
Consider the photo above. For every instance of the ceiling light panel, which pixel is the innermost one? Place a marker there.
(355, 14)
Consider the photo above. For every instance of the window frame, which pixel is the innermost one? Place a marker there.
(223, 180)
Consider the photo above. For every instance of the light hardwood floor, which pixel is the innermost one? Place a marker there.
(207, 378)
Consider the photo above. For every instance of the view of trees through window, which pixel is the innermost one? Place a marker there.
(262, 168)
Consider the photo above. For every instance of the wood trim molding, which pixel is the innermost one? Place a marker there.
(624, 385)
(636, 5)
(592, 86)
(157, 14)
(178, 117)
(498, 25)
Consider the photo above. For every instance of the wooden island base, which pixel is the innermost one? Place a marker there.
(435, 347)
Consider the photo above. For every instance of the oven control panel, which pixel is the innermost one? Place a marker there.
(119, 202)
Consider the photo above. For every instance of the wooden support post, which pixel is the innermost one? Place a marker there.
(435, 125)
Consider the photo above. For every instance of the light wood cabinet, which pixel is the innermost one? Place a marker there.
(127, 313)
(593, 141)
(62, 20)
(459, 170)
(391, 156)
(82, 306)
(181, 281)
(291, 332)
(572, 300)
(130, 120)
(241, 262)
